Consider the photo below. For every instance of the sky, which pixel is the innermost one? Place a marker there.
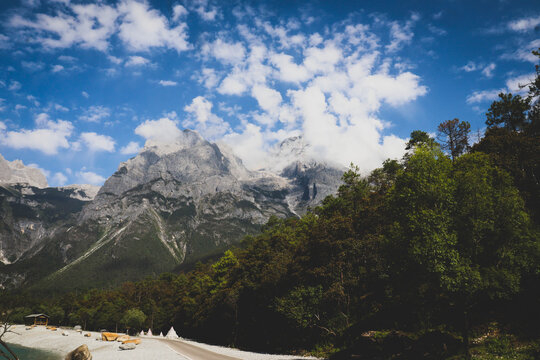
(83, 85)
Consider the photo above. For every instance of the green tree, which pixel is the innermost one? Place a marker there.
(133, 319)
(454, 136)
(419, 138)
(509, 112)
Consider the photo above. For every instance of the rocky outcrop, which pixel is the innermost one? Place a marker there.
(80, 353)
(15, 172)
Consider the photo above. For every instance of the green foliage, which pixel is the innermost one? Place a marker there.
(509, 112)
(133, 319)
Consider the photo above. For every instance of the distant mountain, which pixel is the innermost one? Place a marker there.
(172, 203)
(15, 172)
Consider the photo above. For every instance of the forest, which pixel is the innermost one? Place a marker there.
(432, 256)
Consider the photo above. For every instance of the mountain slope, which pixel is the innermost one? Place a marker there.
(171, 204)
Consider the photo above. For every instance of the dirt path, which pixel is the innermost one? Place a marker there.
(194, 352)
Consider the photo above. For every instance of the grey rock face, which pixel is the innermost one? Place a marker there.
(13, 172)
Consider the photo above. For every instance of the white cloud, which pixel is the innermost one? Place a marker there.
(328, 88)
(88, 25)
(525, 24)
(470, 66)
(91, 26)
(131, 148)
(163, 130)
(47, 173)
(19, 107)
(515, 85)
(59, 179)
(524, 53)
(488, 70)
(95, 113)
(89, 177)
(268, 99)
(520, 83)
(85, 94)
(67, 58)
(484, 95)
(57, 68)
(14, 86)
(178, 12)
(232, 53)
(143, 28)
(48, 137)
(203, 120)
(97, 142)
(289, 71)
(32, 65)
(401, 34)
(208, 77)
(206, 11)
(137, 61)
(167, 83)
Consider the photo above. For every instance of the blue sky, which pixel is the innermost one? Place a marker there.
(84, 84)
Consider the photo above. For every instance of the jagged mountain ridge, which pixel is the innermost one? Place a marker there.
(15, 172)
(170, 204)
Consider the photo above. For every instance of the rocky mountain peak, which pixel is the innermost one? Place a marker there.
(15, 172)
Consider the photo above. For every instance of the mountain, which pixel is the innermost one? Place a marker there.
(172, 204)
(15, 172)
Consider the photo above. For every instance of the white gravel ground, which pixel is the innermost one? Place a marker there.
(150, 347)
(245, 355)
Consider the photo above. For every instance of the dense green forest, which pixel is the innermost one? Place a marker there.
(435, 255)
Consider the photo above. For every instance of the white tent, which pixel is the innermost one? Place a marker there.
(172, 334)
(149, 333)
(142, 333)
(161, 334)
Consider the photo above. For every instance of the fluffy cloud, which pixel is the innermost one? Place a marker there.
(14, 86)
(89, 177)
(514, 85)
(525, 24)
(48, 137)
(167, 83)
(484, 95)
(204, 9)
(143, 28)
(131, 148)
(137, 61)
(223, 51)
(401, 34)
(59, 179)
(97, 142)
(91, 26)
(162, 130)
(95, 114)
(203, 120)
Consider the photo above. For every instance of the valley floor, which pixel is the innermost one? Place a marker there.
(150, 347)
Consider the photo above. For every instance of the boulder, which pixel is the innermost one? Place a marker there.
(122, 338)
(132, 341)
(87, 335)
(65, 333)
(107, 336)
(129, 346)
(77, 327)
(80, 353)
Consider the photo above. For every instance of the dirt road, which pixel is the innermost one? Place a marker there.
(194, 352)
